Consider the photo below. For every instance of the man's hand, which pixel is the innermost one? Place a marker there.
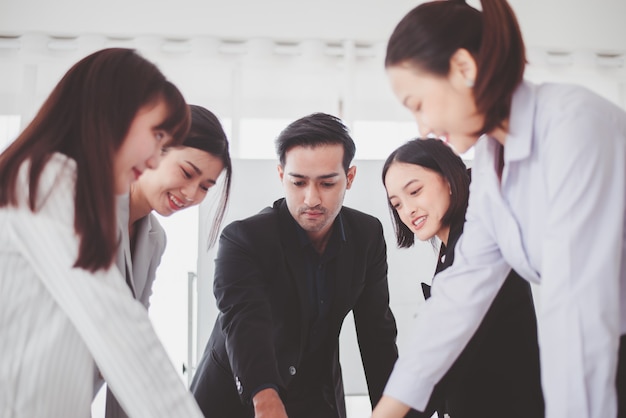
(267, 404)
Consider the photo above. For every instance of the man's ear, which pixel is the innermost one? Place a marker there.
(281, 173)
(350, 175)
(463, 68)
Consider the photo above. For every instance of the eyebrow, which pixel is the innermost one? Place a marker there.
(322, 177)
(199, 172)
(404, 187)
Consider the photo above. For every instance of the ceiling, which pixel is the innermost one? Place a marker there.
(560, 25)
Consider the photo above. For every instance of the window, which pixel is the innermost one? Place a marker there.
(9, 129)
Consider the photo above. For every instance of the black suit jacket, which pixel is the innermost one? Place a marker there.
(260, 287)
(497, 374)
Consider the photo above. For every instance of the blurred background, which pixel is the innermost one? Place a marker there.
(258, 66)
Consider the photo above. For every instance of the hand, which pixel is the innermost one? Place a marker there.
(390, 408)
(267, 404)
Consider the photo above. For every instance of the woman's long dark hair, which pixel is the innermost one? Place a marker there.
(428, 36)
(206, 134)
(87, 117)
(434, 155)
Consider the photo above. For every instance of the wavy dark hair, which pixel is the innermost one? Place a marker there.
(207, 134)
(434, 155)
(87, 117)
(428, 36)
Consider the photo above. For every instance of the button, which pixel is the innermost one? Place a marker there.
(239, 385)
(292, 370)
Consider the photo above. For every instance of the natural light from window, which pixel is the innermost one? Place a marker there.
(9, 129)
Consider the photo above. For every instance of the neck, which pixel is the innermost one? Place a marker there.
(500, 133)
(139, 207)
(320, 240)
(443, 234)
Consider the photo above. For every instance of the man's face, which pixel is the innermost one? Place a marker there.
(315, 183)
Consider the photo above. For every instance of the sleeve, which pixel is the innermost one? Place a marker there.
(241, 292)
(374, 322)
(584, 168)
(461, 296)
(114, 327)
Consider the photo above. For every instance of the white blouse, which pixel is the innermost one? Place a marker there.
(557, 218)
(56, 320)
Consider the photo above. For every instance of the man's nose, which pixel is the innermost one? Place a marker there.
(312, 196)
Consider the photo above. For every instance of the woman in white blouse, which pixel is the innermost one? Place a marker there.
(548, 199)
(64, 309)
(182, 180)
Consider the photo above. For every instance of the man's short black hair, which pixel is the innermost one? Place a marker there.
(314, 130)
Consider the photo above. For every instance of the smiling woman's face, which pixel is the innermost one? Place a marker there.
(421, 197)
(181, 180)
(443, 106)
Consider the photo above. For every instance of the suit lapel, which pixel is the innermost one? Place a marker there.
(145, 244)
(295, 263)
(346, 260)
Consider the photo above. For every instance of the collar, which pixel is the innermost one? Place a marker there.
(519, 138)
(338, 232)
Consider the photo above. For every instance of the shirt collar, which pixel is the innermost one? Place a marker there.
(338, 232)
(519, 138)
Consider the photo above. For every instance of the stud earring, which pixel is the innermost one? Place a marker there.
(469, 82)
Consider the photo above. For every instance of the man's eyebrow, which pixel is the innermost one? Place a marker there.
(322, 177)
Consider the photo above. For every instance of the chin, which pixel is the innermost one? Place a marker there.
(122, 188)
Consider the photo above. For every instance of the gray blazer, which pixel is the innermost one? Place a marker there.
(141, 267)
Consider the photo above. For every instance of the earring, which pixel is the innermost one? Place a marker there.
(469, 82)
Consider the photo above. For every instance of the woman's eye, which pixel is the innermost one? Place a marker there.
(204, 188)
(298, 183)
(159, 135)
(185, 173)
(416, 191)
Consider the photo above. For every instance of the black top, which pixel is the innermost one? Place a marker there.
(320, 275)
(497, 374)
(261, 333)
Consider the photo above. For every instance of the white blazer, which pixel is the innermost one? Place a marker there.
(557, 218)
(56, 320)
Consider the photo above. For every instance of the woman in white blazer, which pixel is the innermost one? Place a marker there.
(64, 307)
(548, 199)
(183, 178)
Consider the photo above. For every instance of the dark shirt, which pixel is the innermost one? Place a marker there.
(320, 273)
(311, 387)
(497, 374)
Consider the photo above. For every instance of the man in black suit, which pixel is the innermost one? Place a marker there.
(286, 278)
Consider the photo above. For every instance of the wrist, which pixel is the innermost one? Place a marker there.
(265, 397)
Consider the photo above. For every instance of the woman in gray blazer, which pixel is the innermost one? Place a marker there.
(182, 180)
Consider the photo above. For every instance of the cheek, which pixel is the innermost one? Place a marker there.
(405, 219)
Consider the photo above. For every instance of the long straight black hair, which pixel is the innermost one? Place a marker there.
(87, 117)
